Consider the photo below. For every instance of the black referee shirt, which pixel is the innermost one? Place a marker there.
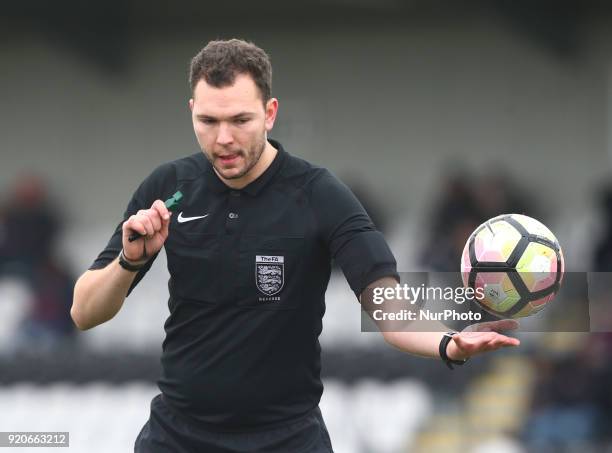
(247, 284)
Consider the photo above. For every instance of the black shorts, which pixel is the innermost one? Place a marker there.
(166, 432)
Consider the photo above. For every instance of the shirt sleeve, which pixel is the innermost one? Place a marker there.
(349, 234)
(149, 190)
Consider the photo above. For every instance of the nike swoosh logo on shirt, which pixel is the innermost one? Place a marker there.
(182, 219)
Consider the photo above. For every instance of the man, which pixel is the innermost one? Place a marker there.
(249, 258)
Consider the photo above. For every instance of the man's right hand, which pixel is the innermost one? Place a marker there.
(152, 224)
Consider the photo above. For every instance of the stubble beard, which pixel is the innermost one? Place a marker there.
(251, 159)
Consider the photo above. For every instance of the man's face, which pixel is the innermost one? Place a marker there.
(231, 123)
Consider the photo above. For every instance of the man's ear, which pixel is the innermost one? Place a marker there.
(271, 111)
(191, 104)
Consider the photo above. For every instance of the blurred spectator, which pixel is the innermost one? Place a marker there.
(565, 407)
(599, 349)
(496, 193)
(603, 249)
(464, 204)
(572, 398)
(453, 219)
(572, 402)
(28, 229)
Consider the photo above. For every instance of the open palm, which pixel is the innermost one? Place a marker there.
(482, 337)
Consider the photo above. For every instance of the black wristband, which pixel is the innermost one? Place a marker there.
(124, 263)
(446, 338)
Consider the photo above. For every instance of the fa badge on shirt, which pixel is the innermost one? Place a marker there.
(269, 274)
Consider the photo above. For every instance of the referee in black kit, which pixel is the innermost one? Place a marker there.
(249, 253)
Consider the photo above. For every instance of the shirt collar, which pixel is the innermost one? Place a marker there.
(254, 187)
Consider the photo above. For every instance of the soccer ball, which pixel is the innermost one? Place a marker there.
(514, 263)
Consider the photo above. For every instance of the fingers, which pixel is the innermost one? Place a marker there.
(150, 221)
(164, 214)
(133, 223)
(501, 341)
(510, 341)
(161, 209)
(474, 343)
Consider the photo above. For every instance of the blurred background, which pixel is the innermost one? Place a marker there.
(438, 114)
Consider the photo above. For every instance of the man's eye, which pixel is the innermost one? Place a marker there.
(241, 120)
(207, 121)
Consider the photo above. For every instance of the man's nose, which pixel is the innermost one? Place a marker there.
(224, 136)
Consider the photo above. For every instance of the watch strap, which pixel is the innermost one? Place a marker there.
(446, 338)
(128, 266)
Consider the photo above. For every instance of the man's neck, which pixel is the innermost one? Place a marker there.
(265, 160)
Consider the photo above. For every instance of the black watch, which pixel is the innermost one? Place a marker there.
(124, 263)
(446, 338)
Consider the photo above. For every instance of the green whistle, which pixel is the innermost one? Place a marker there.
(173, 201)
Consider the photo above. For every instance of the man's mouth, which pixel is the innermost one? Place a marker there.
(229, 158)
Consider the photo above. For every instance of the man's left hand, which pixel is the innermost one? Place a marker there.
(481, 337)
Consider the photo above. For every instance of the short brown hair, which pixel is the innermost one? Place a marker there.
(220, 61)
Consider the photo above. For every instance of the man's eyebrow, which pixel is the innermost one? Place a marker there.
(242, 114)
(233, 117)
(206, 117)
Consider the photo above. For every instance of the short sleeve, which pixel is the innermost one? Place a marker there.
(152, 188)
(350, 236)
